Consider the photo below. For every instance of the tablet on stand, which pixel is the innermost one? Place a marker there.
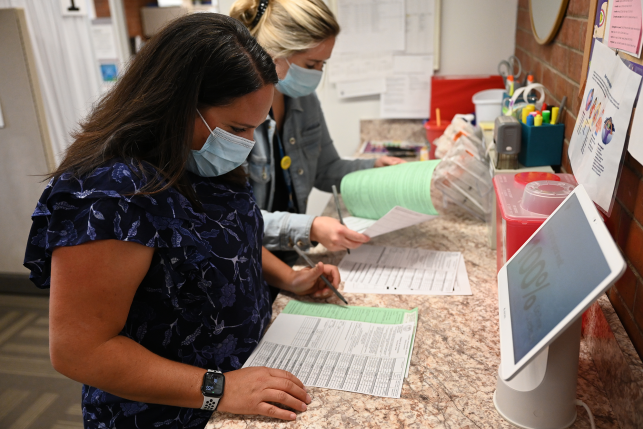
(543, 291)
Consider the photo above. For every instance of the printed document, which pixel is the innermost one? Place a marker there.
(371, 26)
(338, 350)
(408, 88)
(598, 138)
(625, 26)
(405, 271)
(397, 218)
(420, 25)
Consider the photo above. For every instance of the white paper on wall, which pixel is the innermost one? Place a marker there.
(598, 138)
(361, 88)
(371, 26)
(420, 22)
(408, 89)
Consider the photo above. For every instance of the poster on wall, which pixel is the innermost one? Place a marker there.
(598, 138)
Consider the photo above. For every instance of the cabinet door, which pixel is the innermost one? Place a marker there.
(24, 143)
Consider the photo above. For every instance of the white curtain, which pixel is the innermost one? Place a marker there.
(69, 76)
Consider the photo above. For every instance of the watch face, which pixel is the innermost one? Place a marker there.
(213, 384)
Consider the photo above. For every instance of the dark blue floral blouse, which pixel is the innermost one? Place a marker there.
(203, 301)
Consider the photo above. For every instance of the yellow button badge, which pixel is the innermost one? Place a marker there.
(285, 162)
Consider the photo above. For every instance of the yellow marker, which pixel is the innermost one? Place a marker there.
(538, 121)
(525, 113)
(530, 108)
(285, 162)
(554, 115)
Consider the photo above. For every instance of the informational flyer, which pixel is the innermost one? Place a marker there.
(625, 26)
(598, 139)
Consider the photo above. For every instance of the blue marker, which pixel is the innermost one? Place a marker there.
(530, 120)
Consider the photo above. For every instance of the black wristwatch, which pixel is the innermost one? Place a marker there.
(212, 389)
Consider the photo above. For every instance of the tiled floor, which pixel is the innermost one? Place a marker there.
(32, 394)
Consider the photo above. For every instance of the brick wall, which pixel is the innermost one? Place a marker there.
(558, 66)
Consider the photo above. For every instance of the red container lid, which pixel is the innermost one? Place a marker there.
(509, 195)
(534, 176)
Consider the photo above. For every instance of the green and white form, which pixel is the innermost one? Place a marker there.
(357, 349)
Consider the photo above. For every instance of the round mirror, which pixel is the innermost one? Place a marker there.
(546, 17)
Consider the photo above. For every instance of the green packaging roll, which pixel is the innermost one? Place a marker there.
(374, 192)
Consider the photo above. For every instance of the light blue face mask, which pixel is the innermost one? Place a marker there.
(299, 81)
(221, 153)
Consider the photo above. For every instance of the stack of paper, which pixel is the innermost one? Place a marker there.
(404, 271)
(356, 349)
(373, 192)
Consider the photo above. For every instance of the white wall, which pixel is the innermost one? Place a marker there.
(476, 35)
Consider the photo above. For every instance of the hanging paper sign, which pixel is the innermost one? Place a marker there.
(598, 138)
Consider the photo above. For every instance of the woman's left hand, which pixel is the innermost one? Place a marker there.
(383, 161)
(309, 282)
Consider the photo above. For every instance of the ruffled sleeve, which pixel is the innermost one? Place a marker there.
(106, 205)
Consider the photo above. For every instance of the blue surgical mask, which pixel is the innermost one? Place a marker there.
(221, 153)
(299, 81)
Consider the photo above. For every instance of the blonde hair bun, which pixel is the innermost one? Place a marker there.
(284, 27)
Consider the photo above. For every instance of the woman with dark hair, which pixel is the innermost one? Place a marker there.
(151, 241)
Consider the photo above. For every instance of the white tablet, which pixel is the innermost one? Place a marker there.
(555, 276)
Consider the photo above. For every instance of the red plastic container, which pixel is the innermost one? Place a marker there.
(453, 94)
(514, 222)
(433, 131)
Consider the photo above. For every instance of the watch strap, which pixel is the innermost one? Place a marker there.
(210, 404)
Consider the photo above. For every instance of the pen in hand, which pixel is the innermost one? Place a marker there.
(339, 213)
(312, 265)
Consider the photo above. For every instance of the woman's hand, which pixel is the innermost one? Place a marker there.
(248, 391)
(335, 236)
(383, 161)
(309, 282)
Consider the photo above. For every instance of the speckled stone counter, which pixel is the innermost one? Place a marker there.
(456, 355)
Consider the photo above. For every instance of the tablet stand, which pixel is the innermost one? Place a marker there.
(542, 394)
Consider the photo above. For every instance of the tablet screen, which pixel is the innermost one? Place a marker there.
(558, 268)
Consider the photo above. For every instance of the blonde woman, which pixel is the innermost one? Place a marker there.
(294, 151)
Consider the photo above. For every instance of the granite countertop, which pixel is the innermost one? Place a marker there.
(456, 355)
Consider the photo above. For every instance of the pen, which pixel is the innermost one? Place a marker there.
(312, 265)
(562, 107)
(339, 213)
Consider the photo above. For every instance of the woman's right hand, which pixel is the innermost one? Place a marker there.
(335, 236)
(248, 391)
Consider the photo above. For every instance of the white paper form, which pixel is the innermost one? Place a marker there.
(397, 218)
(349, 67)
(371, 26)
(345, 355)
(395, 270)
(361, 88)
(598, 138)
(420, 23)
(408, 89)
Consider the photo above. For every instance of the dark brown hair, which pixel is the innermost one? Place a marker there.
(202, 59)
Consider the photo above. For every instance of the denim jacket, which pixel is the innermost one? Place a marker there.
(315, 162)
